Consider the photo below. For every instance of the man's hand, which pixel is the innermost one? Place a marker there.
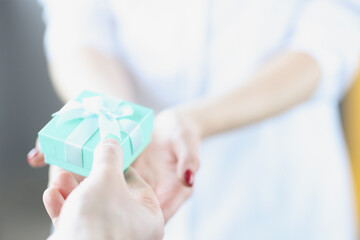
(107, 204)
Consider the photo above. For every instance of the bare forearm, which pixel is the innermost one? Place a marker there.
(279, 85)
(88, 69)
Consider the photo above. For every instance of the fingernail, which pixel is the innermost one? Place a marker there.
(189, 177)
(32, 154)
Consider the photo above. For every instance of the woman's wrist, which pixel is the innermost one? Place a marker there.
(191, 116)
(186, 119)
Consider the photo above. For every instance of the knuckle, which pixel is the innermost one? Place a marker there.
(111, 149)
(148, 199)
(64, 175)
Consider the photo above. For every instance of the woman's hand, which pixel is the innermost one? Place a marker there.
(36, 159)
(171, 160)
(107, 204)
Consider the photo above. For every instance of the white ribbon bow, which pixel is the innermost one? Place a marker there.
(99, 112)
(107, 110)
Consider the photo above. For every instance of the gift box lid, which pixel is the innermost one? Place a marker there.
(56, 138)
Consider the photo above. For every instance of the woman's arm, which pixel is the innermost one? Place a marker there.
(285, 81)
(85, 68)
(281, 84)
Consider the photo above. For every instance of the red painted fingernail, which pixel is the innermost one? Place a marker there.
(32, 154)
(189, 177)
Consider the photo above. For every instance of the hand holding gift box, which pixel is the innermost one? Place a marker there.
(70, 138)
(168, 166)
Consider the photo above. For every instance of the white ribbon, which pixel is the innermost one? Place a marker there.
(107, 114)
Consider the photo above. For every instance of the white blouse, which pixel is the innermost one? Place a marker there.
(287, 177)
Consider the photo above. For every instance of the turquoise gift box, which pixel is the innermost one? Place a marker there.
(69, 139)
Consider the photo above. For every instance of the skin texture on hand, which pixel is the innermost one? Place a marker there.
(168, 164)
(171, 160)
(107, 204)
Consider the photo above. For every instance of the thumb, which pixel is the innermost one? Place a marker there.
(108, 162)
(140, 190)
(188, 162)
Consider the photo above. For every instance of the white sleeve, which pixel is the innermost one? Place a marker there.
(330, 32)
(75, 24)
